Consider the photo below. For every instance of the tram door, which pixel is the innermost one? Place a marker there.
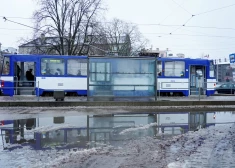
(23, 86)
(197, 80)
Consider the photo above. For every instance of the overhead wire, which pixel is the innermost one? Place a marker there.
(16, 17)
(43, 31)
(185, 21)
(181, 25)
(167, 25)
(20, 24)
(196, 32)
(192, 15)
(213, 49)
(170, 14)
(215, 9)
(154, 33)
(182, 7)
(178, 26)
(204, 35)
(203, 27)
(229, 37)
(3, 28)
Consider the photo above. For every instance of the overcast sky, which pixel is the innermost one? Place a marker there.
(192, 41)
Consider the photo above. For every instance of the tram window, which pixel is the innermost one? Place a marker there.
(6, 66)
(174, 68)
(52, 66)
(159, 68)
(77, 67)
(212, 69)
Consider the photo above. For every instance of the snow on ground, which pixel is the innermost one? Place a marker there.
(211, 147)
(141, 127)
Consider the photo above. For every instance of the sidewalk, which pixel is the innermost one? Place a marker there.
(82, 98)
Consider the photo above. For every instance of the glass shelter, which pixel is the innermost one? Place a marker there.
(114, 77)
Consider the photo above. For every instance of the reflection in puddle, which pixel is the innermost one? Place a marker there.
(93, 131)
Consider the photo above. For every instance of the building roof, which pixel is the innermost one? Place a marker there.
(99, 39)
(38, 41)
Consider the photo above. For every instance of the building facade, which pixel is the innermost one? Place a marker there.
(92, 45)
(224, 72)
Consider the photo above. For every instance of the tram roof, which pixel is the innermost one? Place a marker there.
(28, 56)
(37, 55)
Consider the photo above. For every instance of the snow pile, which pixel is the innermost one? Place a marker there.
(74, 156)
(193, 149)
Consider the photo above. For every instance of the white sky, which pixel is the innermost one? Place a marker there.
(193, 42)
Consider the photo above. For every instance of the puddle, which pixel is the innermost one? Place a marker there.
(99, 130)
(92, 132)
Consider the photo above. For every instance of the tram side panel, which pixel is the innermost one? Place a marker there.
(67, 84)
(7, 85)
(174, 85)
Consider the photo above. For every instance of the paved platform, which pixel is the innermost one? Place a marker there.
(213, 103)
(216, 97)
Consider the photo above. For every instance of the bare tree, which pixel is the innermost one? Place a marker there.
(124, 38)
(69, 22)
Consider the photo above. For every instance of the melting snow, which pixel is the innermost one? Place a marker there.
(138, 128)
(211, 147)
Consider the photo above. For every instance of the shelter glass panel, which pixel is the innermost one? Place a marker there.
(121, 77)
(100, 71)
(52, 138)
(92, 72)
(52, 66)
(100, 68)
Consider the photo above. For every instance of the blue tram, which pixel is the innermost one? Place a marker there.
(185, 76)
(175, 76)
(72, 76)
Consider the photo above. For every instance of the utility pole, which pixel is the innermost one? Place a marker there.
(155, 75)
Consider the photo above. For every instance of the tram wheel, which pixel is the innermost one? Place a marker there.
(75, 94)
(47, 94)
(177, 94)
